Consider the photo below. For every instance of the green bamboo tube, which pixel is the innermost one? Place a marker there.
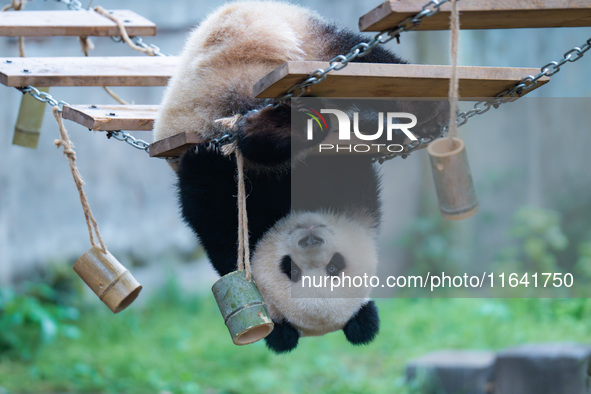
(453, 179)
(108, 278)
(243, 308)
(28, 124)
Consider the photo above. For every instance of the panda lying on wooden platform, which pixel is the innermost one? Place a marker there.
(332, 230)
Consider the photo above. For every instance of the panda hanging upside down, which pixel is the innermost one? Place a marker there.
(331, 228)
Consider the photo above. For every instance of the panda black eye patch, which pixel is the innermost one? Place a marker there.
(291, 269)
(336, 265)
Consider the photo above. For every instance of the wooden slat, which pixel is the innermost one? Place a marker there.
(112, 117)
(175, 145)
(87, 71)
(481, 14)
(393, 80)
(72, 23)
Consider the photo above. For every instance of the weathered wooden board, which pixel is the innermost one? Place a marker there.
(72, 23)
(87, 71)
(175, 145)
(112, 117)
(482, 14)
(393, 80)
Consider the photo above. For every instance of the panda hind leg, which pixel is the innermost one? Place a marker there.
(284, 337)
(362, 328)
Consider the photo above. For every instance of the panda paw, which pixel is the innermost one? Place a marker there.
(284, 337)
(362, 328)
(264, 136)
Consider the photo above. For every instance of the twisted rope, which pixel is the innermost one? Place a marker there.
(123, 32)
(453, 80)
(243, 241)
(18, 5)
(70, 154)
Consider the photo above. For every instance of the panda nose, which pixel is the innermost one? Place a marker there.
(310, 240)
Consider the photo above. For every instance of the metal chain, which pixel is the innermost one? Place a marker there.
(508, 95)
(124, 136)
(44, 97)
(341, 61)
(140, 43)
(526, 84)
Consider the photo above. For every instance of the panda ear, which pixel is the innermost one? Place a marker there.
(362, 328)
(284, 337)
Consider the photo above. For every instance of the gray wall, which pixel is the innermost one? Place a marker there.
(133, 196)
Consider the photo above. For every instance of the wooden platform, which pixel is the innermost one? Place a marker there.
(112, 117)
(393, 80)
(480, 14)
(72, 23)
(87, 71)
(175, 145)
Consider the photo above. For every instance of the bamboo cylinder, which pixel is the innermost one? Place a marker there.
(108, 278)
(28, 124)
(243, 308)
(453, 179)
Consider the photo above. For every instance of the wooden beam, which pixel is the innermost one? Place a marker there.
(393, 80)
(175, 145)
(72, 23)
(112, 117)
(87, 71)
(481, 14)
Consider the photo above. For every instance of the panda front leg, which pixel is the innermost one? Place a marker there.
(207, 190)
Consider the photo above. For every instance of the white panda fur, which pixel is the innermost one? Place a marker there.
(232, 49)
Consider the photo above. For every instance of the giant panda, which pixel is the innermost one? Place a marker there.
(332, 229)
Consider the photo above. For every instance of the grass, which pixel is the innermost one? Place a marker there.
(179, 344)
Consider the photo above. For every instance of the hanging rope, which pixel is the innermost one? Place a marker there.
(243, 241)
(69, 152)
(123, 31)
(453, 80)
(87, 46)
(18, 5)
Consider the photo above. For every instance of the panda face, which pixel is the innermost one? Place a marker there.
(295, 261)
(294, 272)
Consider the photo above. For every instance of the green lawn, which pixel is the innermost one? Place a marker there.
(176, 344)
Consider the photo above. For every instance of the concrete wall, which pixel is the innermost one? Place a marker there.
(133, 196)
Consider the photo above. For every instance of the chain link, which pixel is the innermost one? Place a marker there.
(44, 97)
(341, 61)
(124, 136)
(140, 43)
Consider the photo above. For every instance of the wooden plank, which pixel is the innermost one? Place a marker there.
(112, 117)
(72, 23)
(87, 71)
(481, 14)
(175, 145)
(393, 80)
